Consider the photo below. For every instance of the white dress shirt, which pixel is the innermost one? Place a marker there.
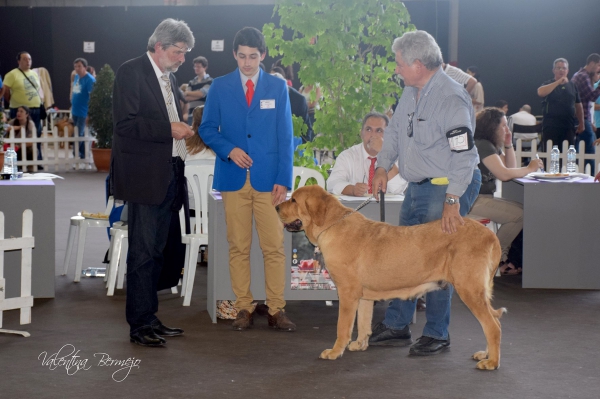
(159, 73)
(352, 166)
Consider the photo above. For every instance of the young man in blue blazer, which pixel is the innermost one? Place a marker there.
(247, 121)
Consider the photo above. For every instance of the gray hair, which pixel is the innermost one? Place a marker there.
(419, 45)
(82, 60)
(171, 31)
(375, 115)
(556, 61)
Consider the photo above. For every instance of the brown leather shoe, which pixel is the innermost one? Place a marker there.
(281, 322)
(243, 321)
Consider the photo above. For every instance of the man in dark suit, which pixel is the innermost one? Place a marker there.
(299, 108)
(147, 169)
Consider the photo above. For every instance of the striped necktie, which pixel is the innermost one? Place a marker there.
(173, 117)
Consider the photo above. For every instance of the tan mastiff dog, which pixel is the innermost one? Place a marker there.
(371, 261)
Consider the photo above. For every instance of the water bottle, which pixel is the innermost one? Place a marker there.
(555, 160)
(10, 163)
(571, 160)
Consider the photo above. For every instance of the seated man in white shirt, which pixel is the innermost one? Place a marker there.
(520, 119)
(354, 168)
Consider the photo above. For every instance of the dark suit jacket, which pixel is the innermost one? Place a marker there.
(300, 108)
(142, 141)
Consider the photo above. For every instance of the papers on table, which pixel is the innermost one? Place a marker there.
(40, 176)
(546, 177)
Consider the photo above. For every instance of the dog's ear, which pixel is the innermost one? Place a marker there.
(316, 206)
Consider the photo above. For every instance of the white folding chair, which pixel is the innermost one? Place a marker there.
(118, 262)
(198, 177)
(117, 267)
(305, 174)
(82, 223)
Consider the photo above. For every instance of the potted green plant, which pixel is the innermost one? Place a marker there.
(101, 118)
(347, 50)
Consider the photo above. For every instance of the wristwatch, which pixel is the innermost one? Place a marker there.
(451, 200)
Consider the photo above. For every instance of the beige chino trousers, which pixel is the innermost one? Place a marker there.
(240, 207)
(507, 213)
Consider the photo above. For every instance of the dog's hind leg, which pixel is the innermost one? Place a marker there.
(348, 305)
(365, 317)
(479, 304)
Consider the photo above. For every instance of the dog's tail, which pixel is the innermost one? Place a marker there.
(495, 256)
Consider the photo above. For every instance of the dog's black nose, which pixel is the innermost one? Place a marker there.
(277, 208)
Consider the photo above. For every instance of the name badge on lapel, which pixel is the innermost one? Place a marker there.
(267, 104)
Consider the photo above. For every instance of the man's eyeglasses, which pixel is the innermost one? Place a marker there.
(183, 50)
(410, 124)
(561, 69)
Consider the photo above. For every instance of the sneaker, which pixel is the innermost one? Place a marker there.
(427, 346)
(385, 336)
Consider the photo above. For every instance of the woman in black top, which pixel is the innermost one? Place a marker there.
(497, 160)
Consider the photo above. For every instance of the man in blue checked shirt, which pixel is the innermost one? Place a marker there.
(431, 137)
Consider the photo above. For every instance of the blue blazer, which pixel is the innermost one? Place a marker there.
(263, 130)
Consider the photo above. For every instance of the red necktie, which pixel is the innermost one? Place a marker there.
(250, 91)
(371, 173)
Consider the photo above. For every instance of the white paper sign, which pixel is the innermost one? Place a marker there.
(89, 47)
(217, 45)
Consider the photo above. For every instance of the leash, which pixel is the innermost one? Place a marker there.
(347, 214)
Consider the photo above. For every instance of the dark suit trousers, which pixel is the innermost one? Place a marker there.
(149, 227)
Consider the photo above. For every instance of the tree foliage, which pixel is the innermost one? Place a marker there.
(100, 108)
(345, 46)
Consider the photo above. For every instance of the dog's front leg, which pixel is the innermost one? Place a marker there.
(345, 324)
(365, 317)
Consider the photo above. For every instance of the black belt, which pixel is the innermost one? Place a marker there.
(424, 181)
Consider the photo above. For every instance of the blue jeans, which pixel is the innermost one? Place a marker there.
(588, 137)
(79, 122)
(424, 203)
(148, 232)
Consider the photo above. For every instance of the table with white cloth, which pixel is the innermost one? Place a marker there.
(218, 280)
(561, 221)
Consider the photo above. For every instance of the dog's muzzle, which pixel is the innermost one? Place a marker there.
(296, 225)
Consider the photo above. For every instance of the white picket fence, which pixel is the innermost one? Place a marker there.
(581, 156)
(57, 150)
(25, 244)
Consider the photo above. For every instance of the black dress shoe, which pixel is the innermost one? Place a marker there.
(427, 346)
(145, 336)
(262, 310)
(161, 329)
(382, 335)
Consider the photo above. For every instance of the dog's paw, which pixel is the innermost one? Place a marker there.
(329, 354)
(481, 355)
(358, 345)
(488, 364)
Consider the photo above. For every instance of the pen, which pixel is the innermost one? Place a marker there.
(538, 157)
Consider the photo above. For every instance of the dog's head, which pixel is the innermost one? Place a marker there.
(309, 209)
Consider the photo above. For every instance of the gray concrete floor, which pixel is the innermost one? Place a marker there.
(549, 346)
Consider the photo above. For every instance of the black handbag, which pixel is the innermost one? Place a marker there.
(43, 114)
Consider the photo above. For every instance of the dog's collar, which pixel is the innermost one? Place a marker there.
(345, 216)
